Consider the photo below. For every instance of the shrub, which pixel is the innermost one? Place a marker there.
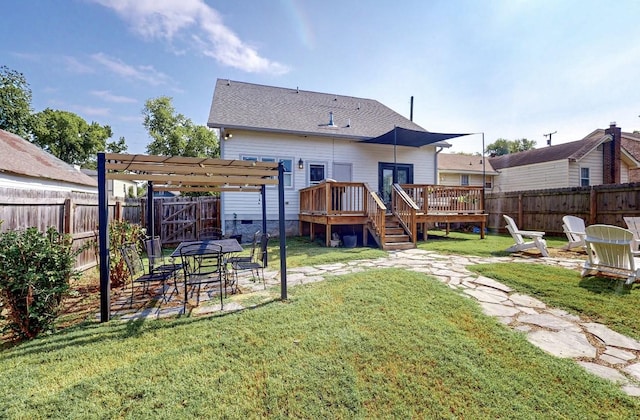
(121, 232)
(35, 270)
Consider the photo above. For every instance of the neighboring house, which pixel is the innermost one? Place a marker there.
(465, 170)
(25, 166)
(631, 143)
(317, 136)
(599, 158)
(115, 187)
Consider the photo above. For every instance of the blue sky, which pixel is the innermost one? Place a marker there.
(511, 69)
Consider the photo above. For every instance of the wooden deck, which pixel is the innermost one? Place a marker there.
(414, 206)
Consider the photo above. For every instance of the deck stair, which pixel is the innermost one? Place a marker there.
(395, 236)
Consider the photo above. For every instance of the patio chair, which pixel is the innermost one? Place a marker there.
(518, 236)
(257, 263)
(609, 252)
(247, 258)
(210, 233)
(202, 266)
(133, 260)
(633, 224)
(574, 227)
(157, 260)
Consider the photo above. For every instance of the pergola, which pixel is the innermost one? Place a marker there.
(174, 173)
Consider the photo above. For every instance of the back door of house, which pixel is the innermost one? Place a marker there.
(385, 178)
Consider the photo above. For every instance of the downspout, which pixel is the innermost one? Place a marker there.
(435, 168)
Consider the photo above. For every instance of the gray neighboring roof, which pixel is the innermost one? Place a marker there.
(20, 157)
(249, 106)
(459, 163)
(572, 151)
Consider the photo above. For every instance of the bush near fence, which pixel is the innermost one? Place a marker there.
(72, 213)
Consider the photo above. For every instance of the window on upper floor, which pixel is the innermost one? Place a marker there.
(584, 177)
(464, 180)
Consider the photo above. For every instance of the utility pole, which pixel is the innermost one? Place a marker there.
(549, 137)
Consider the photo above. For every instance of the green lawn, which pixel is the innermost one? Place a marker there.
(471, 244)
(377, 344)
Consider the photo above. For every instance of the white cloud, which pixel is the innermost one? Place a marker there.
(92, 111)
(73, 65)
(169, 20)
(110, 97)
(142, 73)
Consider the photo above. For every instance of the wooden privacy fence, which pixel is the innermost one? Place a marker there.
(542, 210)
(180, 219)
(72, 213)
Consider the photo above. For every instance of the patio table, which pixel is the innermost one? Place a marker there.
(205, 250)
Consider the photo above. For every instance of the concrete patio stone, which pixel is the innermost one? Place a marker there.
(605, 372)
(612, 338)
(565, 344)
(548, 321)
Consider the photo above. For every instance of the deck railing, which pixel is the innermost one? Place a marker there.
(376, 213)
(405, 209)
(334, 198)
(434, 199)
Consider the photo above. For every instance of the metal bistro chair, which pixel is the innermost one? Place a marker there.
(210, 233)
(202, 267)
(133, 260)
(158, 262)
(257, 263)
(246, 258)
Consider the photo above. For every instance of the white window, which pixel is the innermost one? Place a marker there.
(464, 179)
(584, 177)
(316, 173)
(287, 163)
(288, 172)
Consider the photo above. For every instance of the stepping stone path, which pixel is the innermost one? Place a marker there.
(595, 347)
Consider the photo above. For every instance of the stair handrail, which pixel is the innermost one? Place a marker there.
(404, 208)
(376, 212)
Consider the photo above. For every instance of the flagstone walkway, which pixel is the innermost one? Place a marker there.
(594, 346)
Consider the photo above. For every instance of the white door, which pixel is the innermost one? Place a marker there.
(342, 172)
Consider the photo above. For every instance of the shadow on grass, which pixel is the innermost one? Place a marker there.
(605, 285)
(115, 329)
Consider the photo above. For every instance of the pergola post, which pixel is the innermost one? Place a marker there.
(103, 240)
(263, 197)
(283, 235)
(150, 208)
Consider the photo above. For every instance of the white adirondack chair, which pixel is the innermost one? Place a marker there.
(574, 228)
(609, 252)
(633, 224)
(518, 236)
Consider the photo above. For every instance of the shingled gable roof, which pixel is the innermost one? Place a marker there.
(573, 151)
(20, 157)
(458, 163)
(239, 105)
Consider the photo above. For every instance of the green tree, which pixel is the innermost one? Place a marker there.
(174, 134)
(69, 137)
(503, 146)
(15, 102)
(119, 146)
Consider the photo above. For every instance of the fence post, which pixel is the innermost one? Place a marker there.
(68, 217)
(593, 206)
(520, 211)
(117, 211)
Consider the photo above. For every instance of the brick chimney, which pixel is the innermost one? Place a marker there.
(612, 155)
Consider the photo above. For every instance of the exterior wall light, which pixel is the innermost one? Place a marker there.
(300, 164)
